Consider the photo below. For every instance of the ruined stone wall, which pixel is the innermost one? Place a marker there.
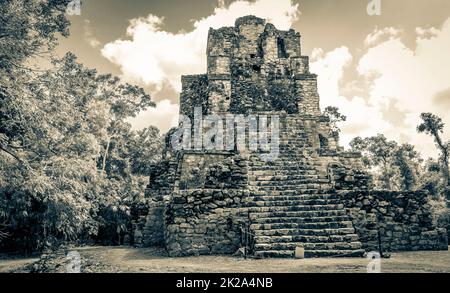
(212, 170)
(206, 214)
(195, 89)
(148, 230)
(307, 130)
(205, 221)
(308, 102)
(345, 170)
(403, 219)
(162, 177)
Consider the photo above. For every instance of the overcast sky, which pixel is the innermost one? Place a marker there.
(381, 71)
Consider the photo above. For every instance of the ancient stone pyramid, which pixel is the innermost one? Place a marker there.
(221, 199)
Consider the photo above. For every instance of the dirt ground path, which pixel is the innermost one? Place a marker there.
(7, 265)
(154, 260)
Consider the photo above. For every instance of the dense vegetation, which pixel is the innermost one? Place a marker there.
(400, 167)
(71, 167)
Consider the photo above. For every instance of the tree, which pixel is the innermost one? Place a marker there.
(50, 186)
(431, 178)
(408, 161)
(335, 117)
(433, 125)
(70, 164)
(145, 148)
(28, 28)
(378, 153)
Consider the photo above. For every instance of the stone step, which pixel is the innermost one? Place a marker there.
(286, 138)
(334, 222)
(287, 147)
(287, 143)
(279, 163)
(297, 154)
(281, 167)
(293, 202)
(292, 157)
(283, 151)
(280, 172)
(332, 228)
(308, 246)
(309, 253)
(296, 214)
(275, 254)
(302, 193)
(259, 191)
(288, 182)
(287, 229)
(291, 208)
(304, 197)
(277, 177)
(299, 169)
(273, 175)
(286, 177)
(263, 239)
(300, 188)
(332, 215)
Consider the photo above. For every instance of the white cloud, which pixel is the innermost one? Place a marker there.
(403, 80)
(382, 35)
(153, 55)
(330, 69)
(425, 33)
(164, 116)
(411, 78)
(316, 54)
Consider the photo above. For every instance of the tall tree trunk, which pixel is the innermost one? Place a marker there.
(446, 177)
(445, 155)
(105, 155)
(386, 177)
(445, 169)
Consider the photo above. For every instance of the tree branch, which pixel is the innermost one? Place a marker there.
(11, 154)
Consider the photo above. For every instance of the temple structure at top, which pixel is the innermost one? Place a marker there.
(253, 67)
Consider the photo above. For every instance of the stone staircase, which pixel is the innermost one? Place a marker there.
(292, 204)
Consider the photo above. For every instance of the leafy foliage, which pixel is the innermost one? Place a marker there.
(335, 117)
(378, 152)
(73, 164)
(395, 166)
(433, 125)
(28, 28)
(430, 179)
(71, 167)
(408, 161)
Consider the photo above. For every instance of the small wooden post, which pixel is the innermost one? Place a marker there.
(380, 250)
